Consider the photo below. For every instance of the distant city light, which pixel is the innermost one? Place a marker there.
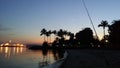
(7, 44)
(10, 44)
(2, 44)
(10, 41)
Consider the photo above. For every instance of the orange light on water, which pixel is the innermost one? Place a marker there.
(6, 50)
(17, 51)
(21, 49)
(14, 50)
(1, 49)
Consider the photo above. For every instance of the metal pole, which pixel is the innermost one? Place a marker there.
(90, 18)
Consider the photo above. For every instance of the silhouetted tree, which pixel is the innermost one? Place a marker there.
(54, 32)
(60, 33)
(44, 52)
(114, 33)
(65, 33)
(71, 39)
(43, 32)
(70, 34)
(61, 42)
(45, 45)
(96, 42)
(103, 24)
(55, 54)
(49, 32)
(85, 37)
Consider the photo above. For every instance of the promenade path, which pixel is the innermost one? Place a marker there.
(89, 58)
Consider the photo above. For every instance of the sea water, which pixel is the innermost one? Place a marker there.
(21, 57)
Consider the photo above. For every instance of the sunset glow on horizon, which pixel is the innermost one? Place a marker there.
(22, 20)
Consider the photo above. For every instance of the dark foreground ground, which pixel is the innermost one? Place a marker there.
(89, 58)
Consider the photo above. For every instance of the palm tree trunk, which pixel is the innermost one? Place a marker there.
(47, 39)
(50, 39)
(44, 38)
(104, 32)
(54, 37)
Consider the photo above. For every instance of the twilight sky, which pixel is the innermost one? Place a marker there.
(22, 20)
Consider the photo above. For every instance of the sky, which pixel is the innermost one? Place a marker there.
(22, 20)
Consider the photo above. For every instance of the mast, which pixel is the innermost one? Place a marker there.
(90, 18)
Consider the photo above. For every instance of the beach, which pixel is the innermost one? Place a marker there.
(92, 58)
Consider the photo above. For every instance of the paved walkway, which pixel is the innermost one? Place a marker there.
(92, 59)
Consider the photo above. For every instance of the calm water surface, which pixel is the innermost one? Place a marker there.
(21, 57)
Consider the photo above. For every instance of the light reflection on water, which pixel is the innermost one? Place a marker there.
(10, 51)
(21, 57)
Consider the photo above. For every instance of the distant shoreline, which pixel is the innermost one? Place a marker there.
(12, 46)
(36, 47)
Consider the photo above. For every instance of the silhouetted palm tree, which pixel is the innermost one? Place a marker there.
(103, 24)
(49, 32)
(43, 32)
(65, 33)
(54, 32)
(60, 33)
(114, 34)
(71, 35)
(71, 38)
